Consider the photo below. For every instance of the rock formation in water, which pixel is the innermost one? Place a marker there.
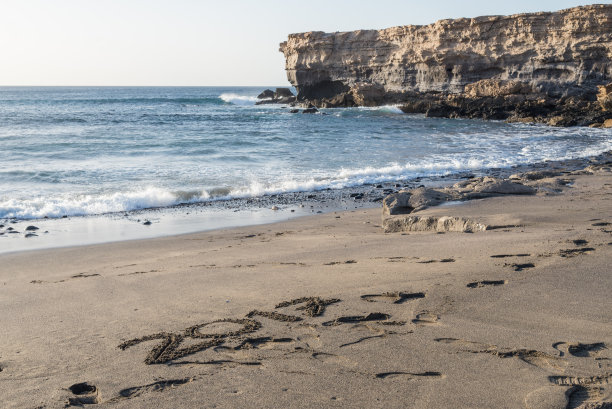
(543, 67)
(280, 96)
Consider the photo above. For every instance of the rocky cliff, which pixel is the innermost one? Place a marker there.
(540, 66)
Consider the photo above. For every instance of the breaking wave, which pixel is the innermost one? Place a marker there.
(237, 99)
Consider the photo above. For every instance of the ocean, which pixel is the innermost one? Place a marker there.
(91, 151)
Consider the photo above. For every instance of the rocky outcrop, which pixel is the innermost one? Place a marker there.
(542, 66)
(409, 201)
(280, 96)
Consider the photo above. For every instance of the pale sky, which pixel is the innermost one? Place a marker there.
(189, 42)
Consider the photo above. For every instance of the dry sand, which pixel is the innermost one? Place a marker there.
(519, 317)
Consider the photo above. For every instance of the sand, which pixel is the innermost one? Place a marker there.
(324, 311)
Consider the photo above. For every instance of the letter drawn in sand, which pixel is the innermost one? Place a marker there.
(169, 344)
(168, 349)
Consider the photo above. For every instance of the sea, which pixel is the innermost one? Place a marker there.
(92, 153)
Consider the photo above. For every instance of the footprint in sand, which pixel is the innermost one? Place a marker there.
(548, 397)
(533, 357)
(510, 255)
(588, 397)
(80, 275)
(575, 252)
(334, 359)
(396, 297)
(521, 267)
(84, 394)
(409, 375)
(308, 336)
(581, 381)
(426, 318)
(485, 283)
(333, 263)
(158, 386)
(580, 242)
(470, 345)
(579, 349)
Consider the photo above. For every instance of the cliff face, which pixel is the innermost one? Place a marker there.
(548, 55)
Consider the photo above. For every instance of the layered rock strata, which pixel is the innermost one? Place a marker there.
(527, 67)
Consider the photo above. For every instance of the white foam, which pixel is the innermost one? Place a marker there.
(82, 205)
(315, 180)
(237, 99)
(392, 109)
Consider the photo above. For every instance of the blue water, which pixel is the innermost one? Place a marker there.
(89, 150)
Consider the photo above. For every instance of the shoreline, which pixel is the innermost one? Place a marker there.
(214, 215)
(515, 317)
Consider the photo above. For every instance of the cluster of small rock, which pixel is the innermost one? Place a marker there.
(283, 96)
(280, 96)
(515, 101)
(30, 231)
(399, 207)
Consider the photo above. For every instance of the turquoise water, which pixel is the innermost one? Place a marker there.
(87, 150)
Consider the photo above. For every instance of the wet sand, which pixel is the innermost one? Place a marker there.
(324, 311)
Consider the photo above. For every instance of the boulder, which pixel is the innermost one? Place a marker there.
(283, 93)
(311, 110)
(397, 203)
(404, 201)
(424, 197)
(267, 94)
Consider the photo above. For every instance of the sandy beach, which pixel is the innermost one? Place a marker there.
(324, 311)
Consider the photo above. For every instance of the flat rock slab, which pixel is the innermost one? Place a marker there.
(431, 224)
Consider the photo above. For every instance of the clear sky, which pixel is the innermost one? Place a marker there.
(190, 42)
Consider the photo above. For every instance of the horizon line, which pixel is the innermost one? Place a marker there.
(142, 86)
